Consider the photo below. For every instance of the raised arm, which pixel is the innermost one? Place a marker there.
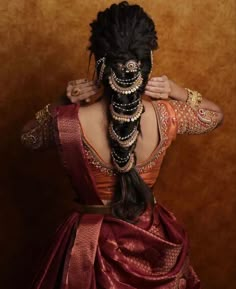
(194, 121)
(40, 132)
(192, 117)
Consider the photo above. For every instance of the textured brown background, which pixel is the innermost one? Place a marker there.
(43, 46)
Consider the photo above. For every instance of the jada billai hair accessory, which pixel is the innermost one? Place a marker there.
(127, 85)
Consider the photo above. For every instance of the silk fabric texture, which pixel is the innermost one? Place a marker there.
(93, 251)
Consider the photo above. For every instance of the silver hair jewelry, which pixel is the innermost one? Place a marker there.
(119, 161)
(125, 117)
(125, 109)
(125, 90)
(126, 143)
(125, 104)
(130, 66)
(125, 82)
(128, 165)
(123, 143)
(111, 129)
(103, 66)
(116, 156)
(120, 80)
(127, 85)
(151, 59)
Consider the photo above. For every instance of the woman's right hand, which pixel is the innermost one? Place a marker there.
(81, 90)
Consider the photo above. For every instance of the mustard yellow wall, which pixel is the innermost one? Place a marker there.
(43, 45)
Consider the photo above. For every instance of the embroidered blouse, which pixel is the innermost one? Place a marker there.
(174, 117)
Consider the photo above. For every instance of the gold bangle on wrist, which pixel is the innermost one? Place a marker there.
(194, 98)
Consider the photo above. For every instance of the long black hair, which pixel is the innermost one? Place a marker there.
(121, 33)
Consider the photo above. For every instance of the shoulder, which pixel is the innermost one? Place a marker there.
(69, 110)
(93, 117)
(94, 111)
(149, 111)
(164, 107)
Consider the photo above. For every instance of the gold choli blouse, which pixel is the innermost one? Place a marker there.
(174, 117)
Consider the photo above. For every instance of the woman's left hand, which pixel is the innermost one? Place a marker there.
(163, 88)
(159, 87)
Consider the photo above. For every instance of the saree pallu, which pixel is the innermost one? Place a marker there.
(152, 254)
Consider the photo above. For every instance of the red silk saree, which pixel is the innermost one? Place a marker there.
(95, 251)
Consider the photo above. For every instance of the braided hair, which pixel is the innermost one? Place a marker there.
(122, 39)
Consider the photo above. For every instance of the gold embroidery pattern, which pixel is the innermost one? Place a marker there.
(42, 135)
(32, 139)
(162, 113)
(192, 121)
(94, 160)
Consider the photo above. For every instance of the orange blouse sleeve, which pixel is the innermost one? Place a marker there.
(191, 121)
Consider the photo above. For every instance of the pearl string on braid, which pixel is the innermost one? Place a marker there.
(101, 60)
(124, 81)
(151, 55)
(126, 109)
(125, 104)
(124, 143)
(125, 117)
(127, 167)
(111, 130)
(120, 159)
(125, 112)
(134, 86)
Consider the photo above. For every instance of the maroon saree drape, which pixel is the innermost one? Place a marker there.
(93, 251)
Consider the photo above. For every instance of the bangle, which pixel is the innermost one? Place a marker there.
(43, 115)
(194, 98)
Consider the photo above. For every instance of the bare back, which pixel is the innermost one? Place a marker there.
(94, 123)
